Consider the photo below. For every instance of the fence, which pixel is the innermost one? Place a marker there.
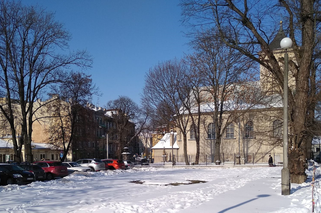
(231, 158)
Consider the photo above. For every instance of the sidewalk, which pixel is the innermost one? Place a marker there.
(254, 197)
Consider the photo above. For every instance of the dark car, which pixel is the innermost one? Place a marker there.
(144, 161)
(53, 169)
(13, 174)
(36, 170)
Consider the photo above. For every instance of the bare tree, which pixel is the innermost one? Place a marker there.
(30, 42)
(69, 114)
(126, 114)
(221, 72)
(164, 91)
(250, 32)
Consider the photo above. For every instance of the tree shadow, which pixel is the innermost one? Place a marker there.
(240, 204)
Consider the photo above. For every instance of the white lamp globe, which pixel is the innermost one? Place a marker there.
(286, 43)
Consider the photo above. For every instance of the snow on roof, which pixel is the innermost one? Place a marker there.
(42, 146)
(5, 144)
(165, 142)
(9, 144)
(241, 103)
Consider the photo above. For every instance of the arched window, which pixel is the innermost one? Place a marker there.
(211, 131)
(230, 131)
(277, 129)
(192, 131)
(248, 130)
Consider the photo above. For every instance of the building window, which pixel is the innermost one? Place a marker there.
(52, 157)
(230, 131)
(211, 131)
(192, 131)
(277, 129)
(248, 130)
(42, 156)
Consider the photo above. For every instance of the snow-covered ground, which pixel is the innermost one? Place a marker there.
(152, 189)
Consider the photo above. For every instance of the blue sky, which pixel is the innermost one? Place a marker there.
(124, 37)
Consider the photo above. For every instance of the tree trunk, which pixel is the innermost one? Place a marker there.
(217, 150)
(298, 154)
(185, 149)
(297, 166)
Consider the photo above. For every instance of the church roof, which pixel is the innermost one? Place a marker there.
(165, 142)
(275, 44)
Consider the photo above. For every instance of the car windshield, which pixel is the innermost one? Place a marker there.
(97, 160)
(35, 168)
(55, 164)
(120, 161)
(74, 164)
(16, 168)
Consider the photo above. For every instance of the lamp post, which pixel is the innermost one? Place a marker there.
(107, 150)
(172, 141)
(285, 44)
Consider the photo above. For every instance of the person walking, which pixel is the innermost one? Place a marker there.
(270, 160)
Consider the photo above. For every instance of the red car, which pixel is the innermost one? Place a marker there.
(113, 164)
(53, 169)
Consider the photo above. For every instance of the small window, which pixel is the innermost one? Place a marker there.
(192, 131)
(211, 131)
(42, 156)
(277, 129)
(230, 131)
(249, 130)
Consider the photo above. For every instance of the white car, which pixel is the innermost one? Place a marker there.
(94, 164)
(128, 164)
(75, 167)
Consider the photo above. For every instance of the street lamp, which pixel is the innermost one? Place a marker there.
(172, 141)
(285, 44)
(107, 144)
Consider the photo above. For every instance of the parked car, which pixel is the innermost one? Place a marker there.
(128, 164)
(53, 169)
(12, 162)
(113, 164)
(75, 167)
(94, 164)
(13, 174)
(36, 170)
(144, 161)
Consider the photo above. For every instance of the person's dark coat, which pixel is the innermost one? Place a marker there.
(270, 161)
